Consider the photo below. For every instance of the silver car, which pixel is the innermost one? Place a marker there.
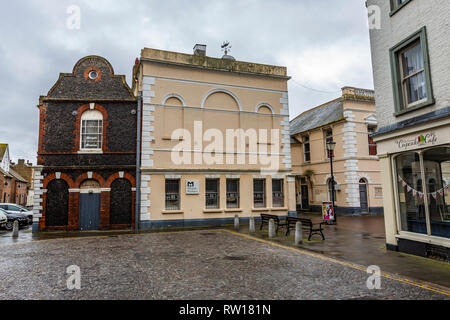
(3, 219)
(16, 209)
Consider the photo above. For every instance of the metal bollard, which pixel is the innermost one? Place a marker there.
(15, 229)
(252, 225)
(298, 233)
(236, 223)
(272, 228)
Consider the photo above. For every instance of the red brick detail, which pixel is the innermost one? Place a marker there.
(42, 124)
(64, 177)
(116, 176)
(88, 70)
(104, 210)
(77, 130)
(74, 211)
(95, 176)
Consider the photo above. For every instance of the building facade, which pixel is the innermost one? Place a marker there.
(347, 121)
(410, 62)
(13, 187)
(25, 170)
(215, 139)
(85, 177)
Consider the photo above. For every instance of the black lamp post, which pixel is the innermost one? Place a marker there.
(330, 147)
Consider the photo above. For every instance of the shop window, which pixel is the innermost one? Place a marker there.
(372, 145)
(232, 193)
(212, 193)
(437, 175)
(411, 73)
(410, 193)
(259, 193)
(306, 149)
(173, 194)
(91, 130)
(277, 193)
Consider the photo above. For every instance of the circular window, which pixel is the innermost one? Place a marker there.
(93, 75)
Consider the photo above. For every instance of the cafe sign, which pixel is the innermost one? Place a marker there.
(415, 141)
(420, 141)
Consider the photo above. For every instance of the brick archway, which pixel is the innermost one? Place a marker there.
(95, 176)
(117, 175)
(53, 176)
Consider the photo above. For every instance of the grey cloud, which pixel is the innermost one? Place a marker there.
(36, 46)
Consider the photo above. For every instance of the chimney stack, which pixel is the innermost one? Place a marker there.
(200, 50)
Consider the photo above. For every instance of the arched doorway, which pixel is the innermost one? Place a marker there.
(121, 203)
(363, 198)
(57, 204)
(90, 193)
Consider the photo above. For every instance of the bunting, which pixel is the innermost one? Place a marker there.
(415, 192)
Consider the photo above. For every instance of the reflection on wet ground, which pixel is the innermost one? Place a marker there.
(359, 240)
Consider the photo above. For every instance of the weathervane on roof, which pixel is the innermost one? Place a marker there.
(226, 47)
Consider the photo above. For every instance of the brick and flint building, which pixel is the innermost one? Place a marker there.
(85, 177)
(411, 59)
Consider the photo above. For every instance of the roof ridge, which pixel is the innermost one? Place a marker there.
(317, 107)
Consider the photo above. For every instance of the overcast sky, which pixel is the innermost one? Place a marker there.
(324, 44)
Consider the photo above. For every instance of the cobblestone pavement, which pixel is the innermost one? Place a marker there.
(186, 265)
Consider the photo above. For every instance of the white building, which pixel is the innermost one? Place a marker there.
(411, 59)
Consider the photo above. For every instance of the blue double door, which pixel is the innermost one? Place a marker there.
(89, 211)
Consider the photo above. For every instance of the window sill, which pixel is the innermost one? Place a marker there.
(212, 211)
(233, 210)
(260, 209)
(90, 152)
(279, 209)
(414, 108)
(172, 212)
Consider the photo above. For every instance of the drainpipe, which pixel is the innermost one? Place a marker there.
(137, 214)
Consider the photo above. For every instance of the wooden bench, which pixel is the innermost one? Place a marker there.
(314, 228)
(265, 218)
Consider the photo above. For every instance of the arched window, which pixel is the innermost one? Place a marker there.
(91, 130)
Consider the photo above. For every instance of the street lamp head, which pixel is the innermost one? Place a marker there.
(331, 145)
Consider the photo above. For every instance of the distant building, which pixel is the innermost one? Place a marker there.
(25, 170)
(348, 121)
(411, 60)
(13, 187)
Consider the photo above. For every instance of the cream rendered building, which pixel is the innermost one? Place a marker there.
(347, 121)
(204, 182)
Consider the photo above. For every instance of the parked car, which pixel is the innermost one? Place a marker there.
(11, 217)
(15, 208)
(3, 219)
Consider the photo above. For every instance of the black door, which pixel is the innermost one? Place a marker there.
(305, 197)
(89, 211)
(363, 197)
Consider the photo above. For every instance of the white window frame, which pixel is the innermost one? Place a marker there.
(91, 115)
